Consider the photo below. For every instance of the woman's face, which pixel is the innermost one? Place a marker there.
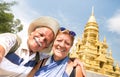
(61, 46)
(40, 38)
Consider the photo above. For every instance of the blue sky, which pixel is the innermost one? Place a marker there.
(74, 14)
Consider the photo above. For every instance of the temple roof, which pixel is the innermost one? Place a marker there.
(101, 58)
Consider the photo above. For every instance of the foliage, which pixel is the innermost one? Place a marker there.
(7, 21)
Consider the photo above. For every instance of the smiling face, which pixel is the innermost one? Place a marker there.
(40, 38)
(61, 46)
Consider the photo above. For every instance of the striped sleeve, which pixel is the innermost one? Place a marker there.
(7, 40)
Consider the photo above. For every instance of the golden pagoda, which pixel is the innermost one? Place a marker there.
(98, 61)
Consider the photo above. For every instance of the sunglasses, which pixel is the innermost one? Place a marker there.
(70, 32)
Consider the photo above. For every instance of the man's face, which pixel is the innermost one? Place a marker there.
(40, 38)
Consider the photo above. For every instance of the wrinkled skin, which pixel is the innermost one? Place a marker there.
(40, 39)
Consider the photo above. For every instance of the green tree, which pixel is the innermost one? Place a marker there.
(7, 21)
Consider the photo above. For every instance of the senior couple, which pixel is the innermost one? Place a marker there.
(32, 58)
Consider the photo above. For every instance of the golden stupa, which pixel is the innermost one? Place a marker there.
(98, 61)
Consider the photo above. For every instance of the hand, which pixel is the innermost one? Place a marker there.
(77, 62)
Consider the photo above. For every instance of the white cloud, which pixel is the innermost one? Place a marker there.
(114, 23)
(23, 12)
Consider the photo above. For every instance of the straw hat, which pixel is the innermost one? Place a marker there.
(44, 21)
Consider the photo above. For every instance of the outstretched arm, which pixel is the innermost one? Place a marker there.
(7, 41)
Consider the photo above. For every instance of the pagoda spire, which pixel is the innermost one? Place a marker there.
(92, 17)
(104, 40)
(92, 10)
(117, 67)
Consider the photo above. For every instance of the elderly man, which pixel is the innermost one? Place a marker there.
(18, 62)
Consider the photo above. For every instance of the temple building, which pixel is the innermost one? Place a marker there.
(97, 59)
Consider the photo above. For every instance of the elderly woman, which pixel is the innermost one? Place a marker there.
(59, 64)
